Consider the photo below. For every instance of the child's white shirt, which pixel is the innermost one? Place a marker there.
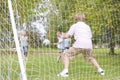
(67, 42)
(61, 43)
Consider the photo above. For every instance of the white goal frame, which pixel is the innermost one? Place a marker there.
(22, 67)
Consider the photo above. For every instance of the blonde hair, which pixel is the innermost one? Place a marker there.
(80, 17)
(58, 33)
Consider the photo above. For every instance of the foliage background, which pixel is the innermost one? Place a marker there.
(102, 16)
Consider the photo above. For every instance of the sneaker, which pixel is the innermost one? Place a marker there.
(102, 72)
(63, 74)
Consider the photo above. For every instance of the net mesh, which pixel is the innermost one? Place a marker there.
(42, 19)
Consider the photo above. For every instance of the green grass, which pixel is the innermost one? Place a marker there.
(44, 67)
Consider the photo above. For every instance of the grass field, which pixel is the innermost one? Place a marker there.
(44, 66)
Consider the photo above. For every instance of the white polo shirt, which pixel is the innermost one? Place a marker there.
(82, 35)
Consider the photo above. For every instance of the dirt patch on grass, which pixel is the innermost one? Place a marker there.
(5, 52)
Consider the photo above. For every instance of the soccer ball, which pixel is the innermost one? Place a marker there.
(46, 42)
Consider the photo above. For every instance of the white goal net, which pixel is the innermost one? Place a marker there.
(38, 22)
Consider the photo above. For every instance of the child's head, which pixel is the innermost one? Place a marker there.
(24, 33)
(58, 33)
(80, 17)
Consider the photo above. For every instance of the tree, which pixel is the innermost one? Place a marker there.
(115, 22)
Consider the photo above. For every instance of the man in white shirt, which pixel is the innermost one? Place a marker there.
(83, 44)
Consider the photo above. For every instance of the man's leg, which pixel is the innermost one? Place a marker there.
(89, 56)
(94, 62)
(66, 59)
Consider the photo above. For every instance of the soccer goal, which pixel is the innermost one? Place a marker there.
(28, 39)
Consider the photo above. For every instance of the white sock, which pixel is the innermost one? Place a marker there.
(66, 70)
(100, 69)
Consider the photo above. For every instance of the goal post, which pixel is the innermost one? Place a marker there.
(22, 67)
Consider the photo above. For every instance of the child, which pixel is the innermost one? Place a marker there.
(62, 44)
(66, 44)
(24, 44)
